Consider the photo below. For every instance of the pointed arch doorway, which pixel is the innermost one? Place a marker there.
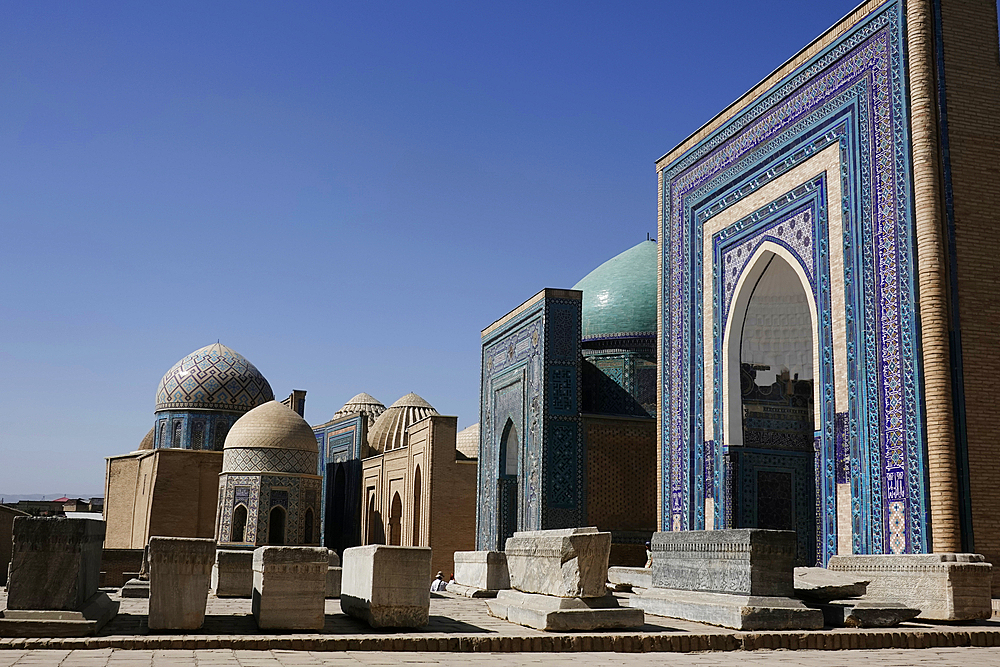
(771, 402)
(510, 452)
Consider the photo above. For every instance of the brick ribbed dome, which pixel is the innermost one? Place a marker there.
(389, 430)
(364, 403)
(213, 378)
(149, 440)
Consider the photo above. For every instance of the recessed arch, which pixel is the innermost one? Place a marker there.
(395, 520)
(416, 506)
(276, 526)
(238, 532)
(732, 424)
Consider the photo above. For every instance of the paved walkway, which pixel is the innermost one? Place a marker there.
(461, 630)
(934, 657)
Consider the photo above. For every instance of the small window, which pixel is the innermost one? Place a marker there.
(162, 440)
(239, 524)
(176, 440)
(221, 429)
(307, 536)
(197, 435)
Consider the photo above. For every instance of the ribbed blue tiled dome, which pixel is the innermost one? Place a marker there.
(619, 296)
(213, 378)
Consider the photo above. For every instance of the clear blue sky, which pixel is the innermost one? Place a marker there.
(345, 193)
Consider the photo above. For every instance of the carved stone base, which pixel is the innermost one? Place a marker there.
(944, 587)
(548, 612)
(95, 614)
(740, 612)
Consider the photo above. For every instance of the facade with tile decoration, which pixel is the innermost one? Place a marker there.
(567, 434)
(863, 170)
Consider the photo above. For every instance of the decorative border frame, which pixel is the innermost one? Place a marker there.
(860, 78)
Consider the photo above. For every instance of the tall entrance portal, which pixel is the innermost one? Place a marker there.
(772, 481)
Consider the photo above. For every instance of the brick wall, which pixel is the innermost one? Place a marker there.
(621, 480)
(972, 76)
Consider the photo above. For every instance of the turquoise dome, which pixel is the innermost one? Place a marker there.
(619, 296)
(213, 378)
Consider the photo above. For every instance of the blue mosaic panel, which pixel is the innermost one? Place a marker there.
(852, 95)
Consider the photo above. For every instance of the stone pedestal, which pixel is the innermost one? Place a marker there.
(944, 587)
(739, 579)
(743, 561)
(387, 586)
(54, 574)
(334, 574)
(56, 563)
(180, 570)
(631, 578)
(562, 614)
(740, 612)
(232, 573)
(559, 580)
(571, 562)
(289, 588)
(480, 573)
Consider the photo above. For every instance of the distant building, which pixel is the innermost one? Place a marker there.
(567, 433)
(170, 485)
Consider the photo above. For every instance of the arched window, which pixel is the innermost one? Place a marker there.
(511, 449)
(307, 534)
(416, 507)
(197, 434)
(176, 440)
(239, 524)
(276, 526)
(221, 429)
(395, 518)
(162, 440)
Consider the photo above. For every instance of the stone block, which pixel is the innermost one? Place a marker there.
(628, 578)
(944, 587)
(135, 588)
(469, 591)
(740, 612)
(333, 560)
(822, 585)
(232, 573)
(289, 588)
(571, 562)
(180, 571)
(93, 615)
(743, 561)
(564, 614)
(56, 563)
(864, 613)
(334, 576)
(484, 570)
(387, 586)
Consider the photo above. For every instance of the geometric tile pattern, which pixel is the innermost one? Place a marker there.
(268, 460)
(213, 378)
(853, 96)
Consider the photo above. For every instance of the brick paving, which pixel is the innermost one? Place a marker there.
(461, 630)
(937, 657)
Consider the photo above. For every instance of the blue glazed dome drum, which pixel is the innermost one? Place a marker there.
(619, 296)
